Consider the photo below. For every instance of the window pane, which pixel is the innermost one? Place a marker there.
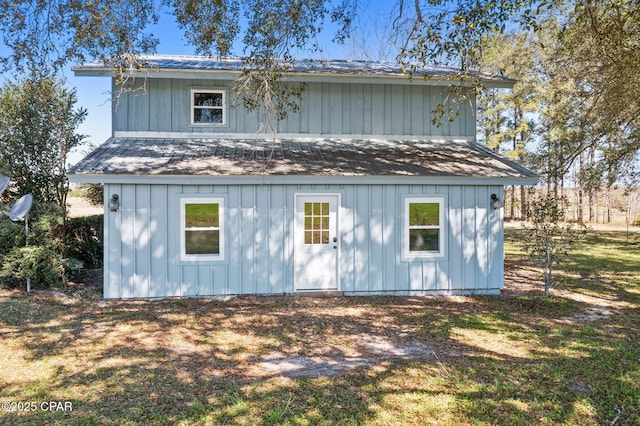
(202, 215)
(203, 115)
(207, 99)
(202, 242)
(424, 240)
(424, 214)
(316, 219)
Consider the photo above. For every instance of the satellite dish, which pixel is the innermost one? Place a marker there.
(4, 182)
(21, 208)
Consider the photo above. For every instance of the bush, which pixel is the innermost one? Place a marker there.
(93, 193)
(85, 240)
(47, 230)
(45, 267)
(11, 235)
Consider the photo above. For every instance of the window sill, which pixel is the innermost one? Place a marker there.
(439, 257)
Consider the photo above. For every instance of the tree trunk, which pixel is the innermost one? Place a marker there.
(580, 213)
(523, 203)
(548, 267)
(512, 209)
(592, 209)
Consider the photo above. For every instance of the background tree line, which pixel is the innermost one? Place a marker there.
(574, 113)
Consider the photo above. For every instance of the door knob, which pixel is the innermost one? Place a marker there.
(335, 239)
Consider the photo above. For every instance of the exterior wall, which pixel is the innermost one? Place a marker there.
(142, 256)
(326, 109)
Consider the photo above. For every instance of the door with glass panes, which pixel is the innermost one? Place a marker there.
(316, 242)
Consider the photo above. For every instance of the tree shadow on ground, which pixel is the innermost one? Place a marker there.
(519, 358)
(496, 359)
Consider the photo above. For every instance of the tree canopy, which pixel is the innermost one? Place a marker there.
(38, 124)
(592, 55)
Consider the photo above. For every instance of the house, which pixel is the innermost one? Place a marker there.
(358, 193)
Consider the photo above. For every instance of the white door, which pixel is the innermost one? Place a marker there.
(316, 244)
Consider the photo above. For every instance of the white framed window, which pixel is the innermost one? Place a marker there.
(208, 107)
(424, 227)
(201, 229)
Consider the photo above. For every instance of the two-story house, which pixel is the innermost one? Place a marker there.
(358, 193)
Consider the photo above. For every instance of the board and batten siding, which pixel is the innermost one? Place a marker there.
(142, 258)
(325, 109)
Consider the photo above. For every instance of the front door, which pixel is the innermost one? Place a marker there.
(316, 242)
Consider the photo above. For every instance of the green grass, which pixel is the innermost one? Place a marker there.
(518, 359)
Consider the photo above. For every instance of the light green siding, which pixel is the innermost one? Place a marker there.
(142, 258)
(325, 109)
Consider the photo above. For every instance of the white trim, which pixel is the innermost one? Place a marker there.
(184, 257)
(287, 136)
(328, 77)
(296, 233)
(297, 180)
(223, 108)
(408, 255)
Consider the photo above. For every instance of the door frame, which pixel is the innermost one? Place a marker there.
(297, 230)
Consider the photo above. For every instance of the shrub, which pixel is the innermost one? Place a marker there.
(11, 235)
(45, 267)
(85, 240)
(93, 193)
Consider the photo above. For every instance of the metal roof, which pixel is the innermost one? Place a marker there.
(344, 67)
(296, 157)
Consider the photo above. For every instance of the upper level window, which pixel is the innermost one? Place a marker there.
(201, 228)
(424, 227)
(208, 107)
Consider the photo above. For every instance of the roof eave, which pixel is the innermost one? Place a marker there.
(304, 76)
(299, 179)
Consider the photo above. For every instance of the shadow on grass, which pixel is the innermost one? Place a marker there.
(193, 361)
(498, 360)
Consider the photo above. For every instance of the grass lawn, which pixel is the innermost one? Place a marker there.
(519, 358)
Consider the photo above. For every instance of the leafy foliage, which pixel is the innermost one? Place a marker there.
(585, 54)
(549, 238)
(45, 267)
(49, 34)
(93, 193)
(38, 123)
(84, 238)
(55, 248)
(210, 26)
(42, 261)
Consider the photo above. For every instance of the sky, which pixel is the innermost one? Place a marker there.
(93, 92)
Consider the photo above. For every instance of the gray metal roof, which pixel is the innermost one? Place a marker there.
(296, 66)
(296, 157)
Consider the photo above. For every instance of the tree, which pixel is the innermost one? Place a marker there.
(38, 123)
(505, 122)
(549, 238)
(599, 38)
